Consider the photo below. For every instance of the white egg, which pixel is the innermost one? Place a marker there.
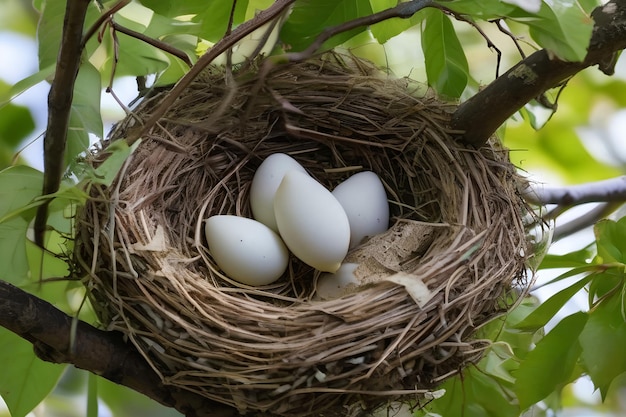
(364, 200)
(266, 180)
(311, 221)
(330, 286)
(246, 250)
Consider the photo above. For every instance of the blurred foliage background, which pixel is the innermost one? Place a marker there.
(583, 141)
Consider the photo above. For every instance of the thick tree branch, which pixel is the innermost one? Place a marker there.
(102, 353)
(611, 190)
(59, 106)
(482, 114)
(610, 193)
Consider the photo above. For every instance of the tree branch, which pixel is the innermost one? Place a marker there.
(586, 220)
(611, 190)
(482, 114)
(402, 10)
(610, 193)
(59, 106)
(100, 352)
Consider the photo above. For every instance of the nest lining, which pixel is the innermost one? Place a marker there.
(277, 349)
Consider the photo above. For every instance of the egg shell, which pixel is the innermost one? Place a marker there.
(364, 200)
(334, 285)
(265, 182)
(311, 221)
(246, 250)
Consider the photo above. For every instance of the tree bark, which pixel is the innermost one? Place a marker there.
(100, 352)
(480, 116)
(60, 105)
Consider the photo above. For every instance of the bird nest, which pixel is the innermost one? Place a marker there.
(450, 262)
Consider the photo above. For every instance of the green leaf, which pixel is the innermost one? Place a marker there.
(506, 337)
(562, 29)
(85, 117)
(50, 27)
(30, 81)
(569, 260)
(177, 68)
(44, 264)
(135, 58)
(446, 65)
(576, 271)
(609, 281)
(484, 9)
(17, 18)
(389, 28)
(603, 340)
(497, 362)
(123, 401)
(552, 363)
(92, 395)
(19, 185)
(16, 122)
(49, 31)
(107, 171)
(214, 16)
(310, 17)
(25, 380)
(548, 309)
(473, 395)
(610, 240)
(180, 8)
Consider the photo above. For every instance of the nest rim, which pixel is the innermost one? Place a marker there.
(143, 310)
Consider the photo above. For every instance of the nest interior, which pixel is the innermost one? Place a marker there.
(278, 349)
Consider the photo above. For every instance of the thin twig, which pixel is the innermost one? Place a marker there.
(498, 23)
(154, 42)
(586, 220)
(228, 41)
(463, 18)
(102, 19)
(402, 10)
(229, 52)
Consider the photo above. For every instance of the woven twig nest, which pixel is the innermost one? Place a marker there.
(450, 261)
